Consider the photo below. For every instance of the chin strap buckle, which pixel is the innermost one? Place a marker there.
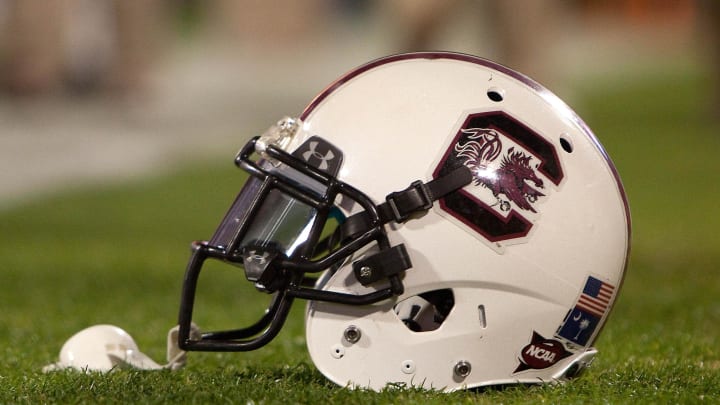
(416, 198)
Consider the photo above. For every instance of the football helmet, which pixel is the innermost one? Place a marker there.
(450, 222)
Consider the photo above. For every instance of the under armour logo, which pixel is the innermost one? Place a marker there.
(255, 257)
(321, 154)
(312, 153)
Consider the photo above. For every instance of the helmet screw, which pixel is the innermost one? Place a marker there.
(365, 272)
(462, 368)
(352, 334)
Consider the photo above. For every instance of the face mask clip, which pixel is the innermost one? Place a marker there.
(261, 269)
(386, 263)
(278, 135)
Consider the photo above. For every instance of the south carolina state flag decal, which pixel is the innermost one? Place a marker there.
(592, 304)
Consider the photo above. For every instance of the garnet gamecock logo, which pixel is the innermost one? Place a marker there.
(514, 170)
(512, 178)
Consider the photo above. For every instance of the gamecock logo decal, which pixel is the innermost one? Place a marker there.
(512, 178)
(513, 168)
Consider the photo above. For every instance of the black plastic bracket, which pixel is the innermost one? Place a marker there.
(386, 263)
(415, 198)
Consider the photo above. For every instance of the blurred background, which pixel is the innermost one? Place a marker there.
(120, 119)
(94, 90)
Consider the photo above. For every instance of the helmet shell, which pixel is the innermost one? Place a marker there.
(528, 299)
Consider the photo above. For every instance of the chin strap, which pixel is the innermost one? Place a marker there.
(91, 351)
(176, 357)
(415, 200)
(399, 207)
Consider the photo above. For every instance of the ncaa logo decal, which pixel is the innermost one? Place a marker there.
(541, 353)
(514, 171)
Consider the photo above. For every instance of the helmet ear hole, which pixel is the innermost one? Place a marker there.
(427, 311)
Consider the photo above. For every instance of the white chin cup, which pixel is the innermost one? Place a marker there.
(106, 347)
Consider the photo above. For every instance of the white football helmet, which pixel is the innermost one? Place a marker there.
(498, 264)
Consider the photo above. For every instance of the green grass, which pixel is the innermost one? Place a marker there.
(116, 254)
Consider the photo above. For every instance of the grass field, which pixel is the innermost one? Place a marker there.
(116, 254)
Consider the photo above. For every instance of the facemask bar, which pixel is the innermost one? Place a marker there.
(288, 279)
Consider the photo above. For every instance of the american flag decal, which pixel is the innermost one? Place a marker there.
(595, 297)
(583, 319)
